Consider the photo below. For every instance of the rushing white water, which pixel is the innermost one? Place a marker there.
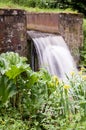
(53, 54)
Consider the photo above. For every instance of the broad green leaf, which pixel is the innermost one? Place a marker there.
(32, 79)
(7, 89)
(10, 59)
(14, 71)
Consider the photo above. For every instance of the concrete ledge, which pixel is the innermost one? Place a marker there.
(49, 22)
(46, 22)
(9, 12)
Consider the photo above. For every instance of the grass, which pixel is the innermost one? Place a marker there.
(10, 5)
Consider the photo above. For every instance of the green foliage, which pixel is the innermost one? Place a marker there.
(11, 66)
(53, 4)
(14, 122)
(80, 5)
(7, 90)
(83, 50)
(38, 101)
(11, 61)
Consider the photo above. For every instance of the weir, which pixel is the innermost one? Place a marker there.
(68, 25)
(53, 54)
(14, 24)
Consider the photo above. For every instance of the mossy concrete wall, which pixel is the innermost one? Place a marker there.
(67, 24)
(13, 31)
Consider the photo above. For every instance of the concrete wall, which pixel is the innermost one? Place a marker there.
(13, 31)
(67, 24)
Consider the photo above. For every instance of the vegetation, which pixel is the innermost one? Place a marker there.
(78, 5)
(37, 101)
(11, 5)
(83, 50)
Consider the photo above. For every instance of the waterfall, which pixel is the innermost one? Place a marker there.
(53, 54)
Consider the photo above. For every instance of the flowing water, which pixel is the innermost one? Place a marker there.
(53, 54)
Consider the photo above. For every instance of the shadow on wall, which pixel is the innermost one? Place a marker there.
(32, 57)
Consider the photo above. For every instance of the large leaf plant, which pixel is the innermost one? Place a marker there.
(11, 68)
